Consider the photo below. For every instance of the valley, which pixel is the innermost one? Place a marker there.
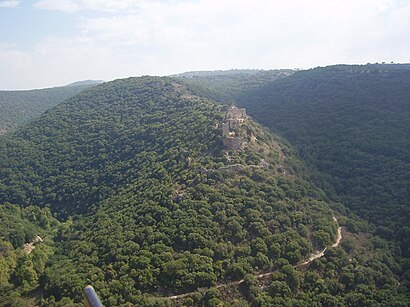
(158, 191)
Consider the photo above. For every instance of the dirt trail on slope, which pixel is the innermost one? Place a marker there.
(339, 234)
(320, 254)
(317, 255)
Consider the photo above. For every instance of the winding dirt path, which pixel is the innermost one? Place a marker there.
(339, 234)
(314, 256)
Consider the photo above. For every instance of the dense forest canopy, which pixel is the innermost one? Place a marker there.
(351, 124)
(151, 204)
(224, 86)
(19, 107)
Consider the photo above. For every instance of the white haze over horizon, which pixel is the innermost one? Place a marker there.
(45, 43)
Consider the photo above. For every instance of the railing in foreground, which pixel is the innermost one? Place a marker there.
(91, 298)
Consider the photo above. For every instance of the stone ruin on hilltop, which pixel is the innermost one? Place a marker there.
(234, 118)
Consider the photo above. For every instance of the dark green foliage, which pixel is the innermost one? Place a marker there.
(135, 167)
(225, 86)
(19, 107)
(20, 272)
(357, 278)
(116, 157)
(19, 226)
(351, 124)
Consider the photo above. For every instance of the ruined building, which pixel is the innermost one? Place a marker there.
(234, 118)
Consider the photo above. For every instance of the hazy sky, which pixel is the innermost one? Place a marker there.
(45, 43)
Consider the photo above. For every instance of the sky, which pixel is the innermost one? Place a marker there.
(46, 43)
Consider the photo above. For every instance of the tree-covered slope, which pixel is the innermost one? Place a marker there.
(19, 107)
(155, 206)
(224, 85)
(353, 124)
(21, 268)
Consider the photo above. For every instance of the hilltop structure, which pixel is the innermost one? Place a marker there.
(234, 118)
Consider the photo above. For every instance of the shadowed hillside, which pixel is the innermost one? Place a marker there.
(19, 107)
(352, 123)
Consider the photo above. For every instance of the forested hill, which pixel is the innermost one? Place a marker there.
(19, 107)
(350, 122)
(151, 204)
(224, 85)
(353, 124)
(85, 83)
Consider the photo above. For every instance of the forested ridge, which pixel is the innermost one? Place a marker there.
(150, 204)
(351, 124)
(225, 86)
(20, 107)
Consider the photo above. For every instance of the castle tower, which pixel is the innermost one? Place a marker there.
(225, 129)
(234, 118)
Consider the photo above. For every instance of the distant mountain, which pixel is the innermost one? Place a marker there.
(86, 82)
(231, 72)
(19, 107)
(224, 85)
(152, 204)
